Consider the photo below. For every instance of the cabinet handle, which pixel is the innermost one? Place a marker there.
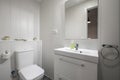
(82, 65)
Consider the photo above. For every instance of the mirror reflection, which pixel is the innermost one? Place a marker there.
(81, 19)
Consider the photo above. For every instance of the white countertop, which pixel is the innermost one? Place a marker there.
(84, 54)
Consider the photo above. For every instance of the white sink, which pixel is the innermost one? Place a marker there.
(84, 54)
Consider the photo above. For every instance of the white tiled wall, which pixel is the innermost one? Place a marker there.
(19, 19)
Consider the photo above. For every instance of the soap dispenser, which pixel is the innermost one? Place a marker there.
(72, 44)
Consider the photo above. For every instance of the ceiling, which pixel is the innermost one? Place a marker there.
(70, 3)
(38, 0)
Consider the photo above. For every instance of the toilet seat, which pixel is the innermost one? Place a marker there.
(31, 72)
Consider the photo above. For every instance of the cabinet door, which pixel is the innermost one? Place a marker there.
(73, 69)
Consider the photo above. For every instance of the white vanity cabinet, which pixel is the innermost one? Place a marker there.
(71, 68)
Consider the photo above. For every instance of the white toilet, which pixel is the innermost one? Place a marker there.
(27, 70)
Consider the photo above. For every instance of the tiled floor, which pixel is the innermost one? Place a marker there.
(46, 78)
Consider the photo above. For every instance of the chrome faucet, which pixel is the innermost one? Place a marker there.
(76, 46)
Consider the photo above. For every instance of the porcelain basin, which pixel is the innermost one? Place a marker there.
(85, 54)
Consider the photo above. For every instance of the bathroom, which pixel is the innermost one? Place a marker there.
(39, 25)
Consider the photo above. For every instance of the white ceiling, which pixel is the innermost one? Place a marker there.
(70, 3)
(38, 0)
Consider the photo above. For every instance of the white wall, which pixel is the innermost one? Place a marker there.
(109, 21)
(52, 17)
(76, 20)
(84, 44)
(5, 66)
(110, 33)
(19, 19)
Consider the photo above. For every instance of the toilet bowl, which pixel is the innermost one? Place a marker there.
(27, 70)
(32, 72)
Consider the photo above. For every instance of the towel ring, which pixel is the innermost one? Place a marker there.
(114, 51)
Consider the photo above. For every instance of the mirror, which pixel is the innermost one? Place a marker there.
(81, 19)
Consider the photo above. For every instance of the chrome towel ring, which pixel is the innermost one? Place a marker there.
(110, 52)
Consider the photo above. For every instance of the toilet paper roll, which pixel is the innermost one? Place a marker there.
(5, 55)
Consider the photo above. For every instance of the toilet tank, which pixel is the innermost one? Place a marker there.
(24, 58)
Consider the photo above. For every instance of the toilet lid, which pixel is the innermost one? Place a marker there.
(31, 72)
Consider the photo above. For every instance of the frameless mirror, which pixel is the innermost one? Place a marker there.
(81, 19)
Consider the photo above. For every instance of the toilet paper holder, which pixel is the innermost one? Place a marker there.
(5, 55)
